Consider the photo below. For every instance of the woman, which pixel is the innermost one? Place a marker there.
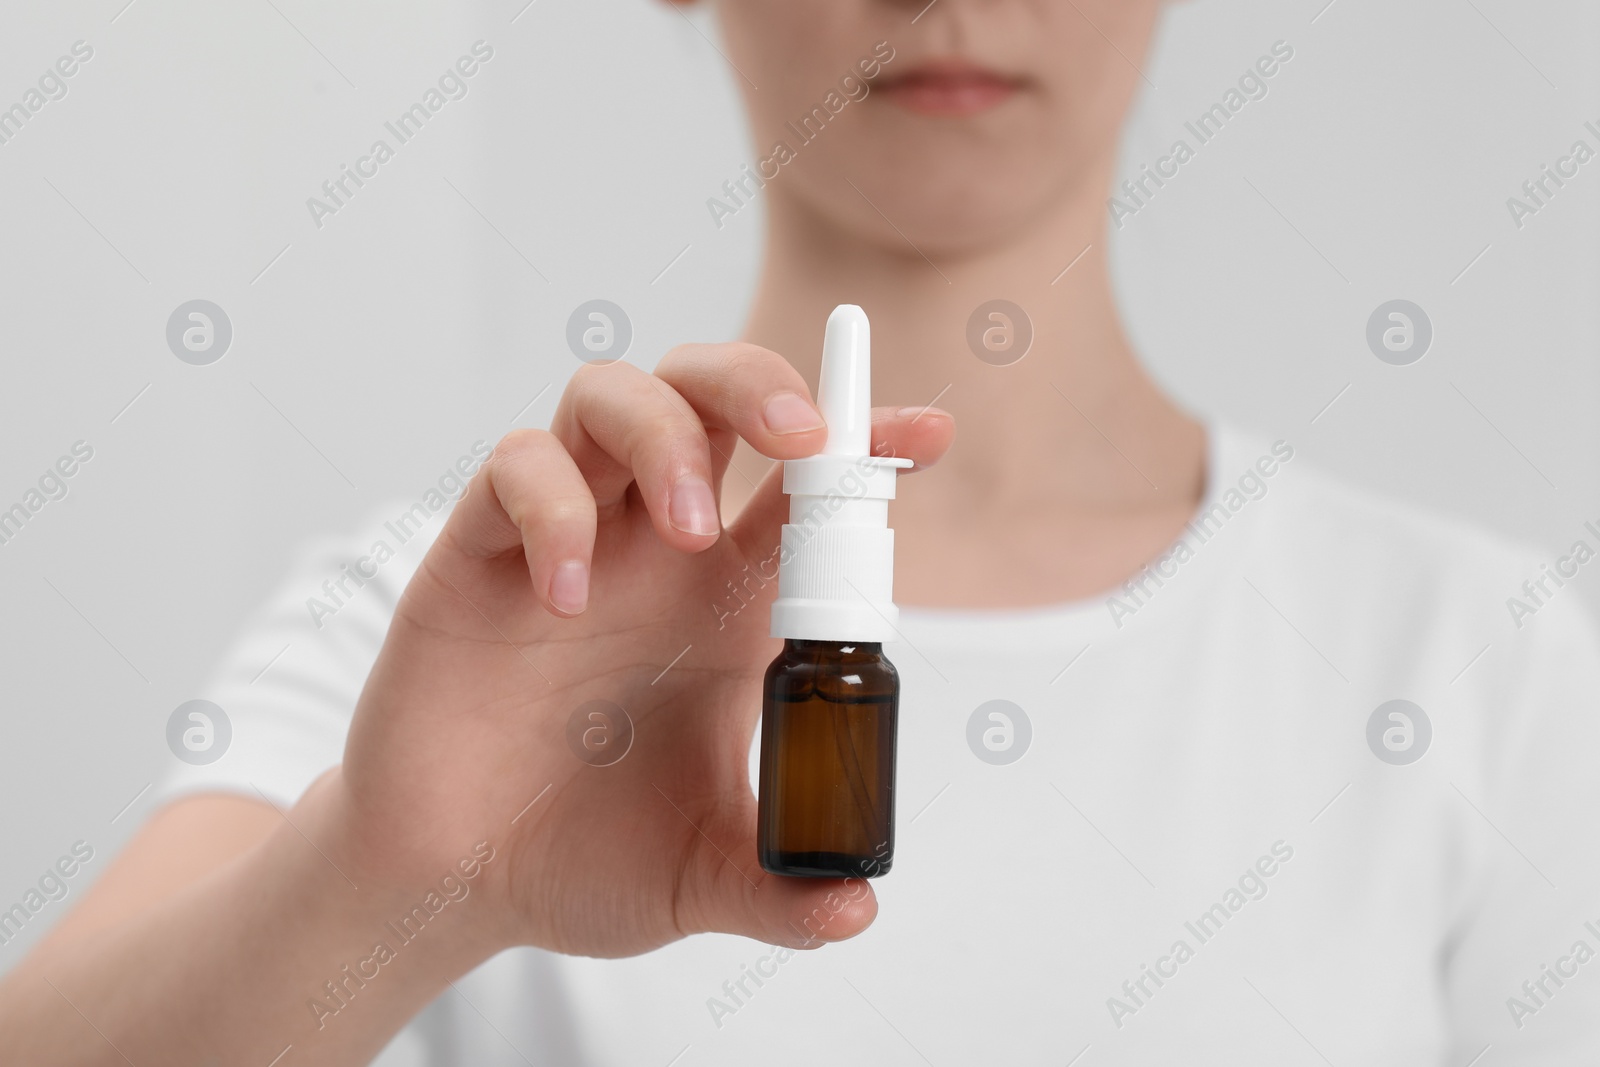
(1173, 839)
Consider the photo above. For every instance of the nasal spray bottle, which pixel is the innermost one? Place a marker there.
(831, 698)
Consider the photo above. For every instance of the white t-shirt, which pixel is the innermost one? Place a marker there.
(1199, 858)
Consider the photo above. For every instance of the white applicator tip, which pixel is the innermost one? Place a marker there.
(844, 388)
(836, 564)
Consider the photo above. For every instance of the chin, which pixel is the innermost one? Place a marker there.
(952, 227)
(940, 208)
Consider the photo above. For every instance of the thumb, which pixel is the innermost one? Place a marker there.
(922, 435)
(723, 889)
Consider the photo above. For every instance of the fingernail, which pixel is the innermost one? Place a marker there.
(569, 586)
(916, 413)
(790, 413)
(692, 508)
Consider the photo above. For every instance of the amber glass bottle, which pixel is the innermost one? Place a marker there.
(827, 761)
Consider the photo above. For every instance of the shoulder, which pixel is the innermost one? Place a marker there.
(1385, 554)
(1495, 637)
(1402, 599)
(289, 681)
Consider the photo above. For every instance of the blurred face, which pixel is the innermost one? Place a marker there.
(963, 127)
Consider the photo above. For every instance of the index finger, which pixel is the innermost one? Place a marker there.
(744, 390)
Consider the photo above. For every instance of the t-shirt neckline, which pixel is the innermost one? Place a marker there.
(1225, 450)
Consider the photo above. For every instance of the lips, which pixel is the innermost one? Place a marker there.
(949, 89)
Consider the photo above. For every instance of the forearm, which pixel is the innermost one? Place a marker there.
(234, 967)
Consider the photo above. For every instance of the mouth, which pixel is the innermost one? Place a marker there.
(949, 88)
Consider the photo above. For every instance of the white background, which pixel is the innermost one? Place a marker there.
(374, 351)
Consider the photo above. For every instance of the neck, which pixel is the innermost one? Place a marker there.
(1070, 469)
(1076, 421)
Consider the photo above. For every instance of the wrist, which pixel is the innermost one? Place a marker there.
(389, 875)
(388, 937)
(297, 943)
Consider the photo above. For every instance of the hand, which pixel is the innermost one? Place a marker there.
(581, 565)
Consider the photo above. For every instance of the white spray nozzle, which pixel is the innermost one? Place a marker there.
(844, 388)
(836, 562)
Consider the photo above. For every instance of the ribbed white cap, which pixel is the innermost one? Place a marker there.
(836, 560)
